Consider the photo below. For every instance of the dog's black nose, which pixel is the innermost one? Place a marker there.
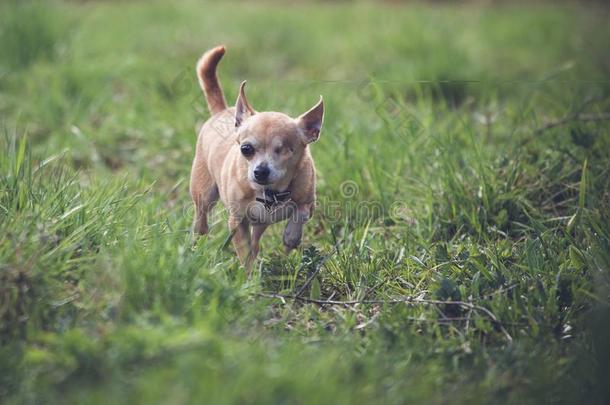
(261, 173)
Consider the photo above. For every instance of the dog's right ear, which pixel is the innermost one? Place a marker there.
(242, 107)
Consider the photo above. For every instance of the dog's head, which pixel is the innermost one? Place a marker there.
(273, 143)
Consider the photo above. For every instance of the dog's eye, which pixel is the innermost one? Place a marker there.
(247, 150)
(278, 150)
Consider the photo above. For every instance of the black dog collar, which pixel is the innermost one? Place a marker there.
(273, 198)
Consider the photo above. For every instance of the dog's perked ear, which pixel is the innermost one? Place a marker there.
(310, 123)
(242, 107)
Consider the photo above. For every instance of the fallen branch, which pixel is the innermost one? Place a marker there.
(403, 300)
(570, 118)
(317, 270)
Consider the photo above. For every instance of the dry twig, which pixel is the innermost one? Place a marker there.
(403, 300)
(570, 118)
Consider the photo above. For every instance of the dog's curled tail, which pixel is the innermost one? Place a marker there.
(206, 72)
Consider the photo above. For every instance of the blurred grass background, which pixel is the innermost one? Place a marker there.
(464, 156)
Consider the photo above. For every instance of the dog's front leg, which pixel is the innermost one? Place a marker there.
(257, 232)
(240, 229)
(294, 228)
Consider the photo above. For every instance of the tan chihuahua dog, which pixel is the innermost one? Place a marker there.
(257, 163)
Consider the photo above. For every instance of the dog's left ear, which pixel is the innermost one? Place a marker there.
(242, 107)
(310, 123)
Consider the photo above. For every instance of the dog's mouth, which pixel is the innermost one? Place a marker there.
(262, 183)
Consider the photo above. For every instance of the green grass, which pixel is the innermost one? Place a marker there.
(436, 178)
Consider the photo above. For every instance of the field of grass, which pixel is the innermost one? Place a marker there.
(465, 156)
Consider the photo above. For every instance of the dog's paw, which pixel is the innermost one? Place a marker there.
(291, 240)
(196, 233)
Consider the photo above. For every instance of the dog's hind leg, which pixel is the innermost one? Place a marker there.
(202, 208)
(204, 193)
